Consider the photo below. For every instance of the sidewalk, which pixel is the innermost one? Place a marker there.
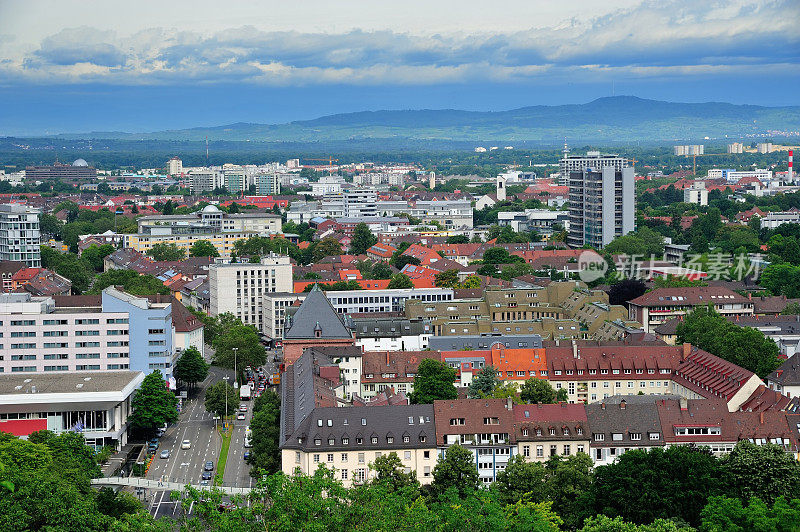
(117, 459)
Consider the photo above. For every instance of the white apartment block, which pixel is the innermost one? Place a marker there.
(268, 184)
(239, 288)
(19, 234)
(205, 180)
(274, 314)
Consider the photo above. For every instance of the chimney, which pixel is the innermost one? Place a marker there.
(684, 404)
(509, 404)
(575, 353)
(387, 358)
(603, 406)
(750, 296)
(687, 349)
(761, 417)
(622, 405)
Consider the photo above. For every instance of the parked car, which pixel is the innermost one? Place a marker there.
(160, 432)
(186, 444)
(246, 455)
(209, 466)
(206, 475)
(165, 453)
(204, 482)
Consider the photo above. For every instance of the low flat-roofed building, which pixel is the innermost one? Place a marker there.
(96, 404)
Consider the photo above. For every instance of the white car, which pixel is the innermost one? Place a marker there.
(186, 444)
(241, 416)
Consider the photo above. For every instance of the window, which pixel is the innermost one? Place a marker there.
(345, 441)
(599, 437)
(344, 474)
(539, 451)
(457, 421)
(526, 450)
(407, 455)
(374, 440)
(344, 457)
(617, 436)
(155, 331)
(524, 432)
(636, 436)
(389, 439)
(317, 441)
(361, 458)
(316, 458)
(654, 436)
(490, 421)
(406, 439)
(552, 431)
(579, 430)
(580, 448)
(567, 450)
(331, 441)
(330, 457)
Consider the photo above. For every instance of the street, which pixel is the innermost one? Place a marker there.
(197, 426)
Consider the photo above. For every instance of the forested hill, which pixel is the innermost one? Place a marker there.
(616, 118)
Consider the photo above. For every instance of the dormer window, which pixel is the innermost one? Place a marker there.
(389, 439)
(374, 440)
(317, 441)
(331, 441)
(524, 432)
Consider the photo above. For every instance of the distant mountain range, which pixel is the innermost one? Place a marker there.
(612, 119)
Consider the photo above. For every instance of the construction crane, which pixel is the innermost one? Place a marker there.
(329, 160)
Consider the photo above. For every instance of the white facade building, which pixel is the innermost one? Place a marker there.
(696, 194)
(19, 234)
(239, 288)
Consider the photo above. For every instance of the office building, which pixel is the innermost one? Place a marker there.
(540, 220)
(239, 288)
(601, 206)
(19, 234)
(96, 405)
(150, 331)
(78, 170)
(41, 336)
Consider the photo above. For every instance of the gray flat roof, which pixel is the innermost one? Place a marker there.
(98, 381)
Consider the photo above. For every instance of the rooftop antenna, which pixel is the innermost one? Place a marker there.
(206, 150)
(566, 148)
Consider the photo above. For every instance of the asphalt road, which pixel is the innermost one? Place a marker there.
(198, 426)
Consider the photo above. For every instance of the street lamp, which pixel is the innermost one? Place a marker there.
(225, 378)
(235, 373)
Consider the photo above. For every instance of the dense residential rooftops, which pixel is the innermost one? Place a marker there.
(611, 361)
(393, 366)
(704, 421)
(365, 428)
(624, 425)
(709, 375)
(316, 318)
(561, 421)
(787, 374)
(693, 295)
(472, 416)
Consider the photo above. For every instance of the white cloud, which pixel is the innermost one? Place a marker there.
(644, 40)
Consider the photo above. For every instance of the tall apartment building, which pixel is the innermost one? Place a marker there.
(592, 159)
(235, 181)
(735, 147)
(268, 184)
(689, 149)
(174, 166)
(240, 288)
(601, 205)
(19, 234)
(205, 180)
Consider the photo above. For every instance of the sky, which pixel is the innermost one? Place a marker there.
(77, 66)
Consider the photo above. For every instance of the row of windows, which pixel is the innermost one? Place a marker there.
(613, 372)
(80, 321)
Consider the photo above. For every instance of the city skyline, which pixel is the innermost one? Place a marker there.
(153, 66)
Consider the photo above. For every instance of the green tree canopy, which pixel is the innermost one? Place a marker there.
(327, 247)
(250, 350)
(166, 252)
(400, 280)
(446, 279)
(535, 390)
(153, 404)
(390, 472)
(765, 472)
(644, 242)
(484, 383)
(743, 346)
(433, 380)
(131, 282)
(456, 471)
(203, 248)
(95, 254)
(215, 399)
(362, 240)
(191, 367)
(265, 425)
